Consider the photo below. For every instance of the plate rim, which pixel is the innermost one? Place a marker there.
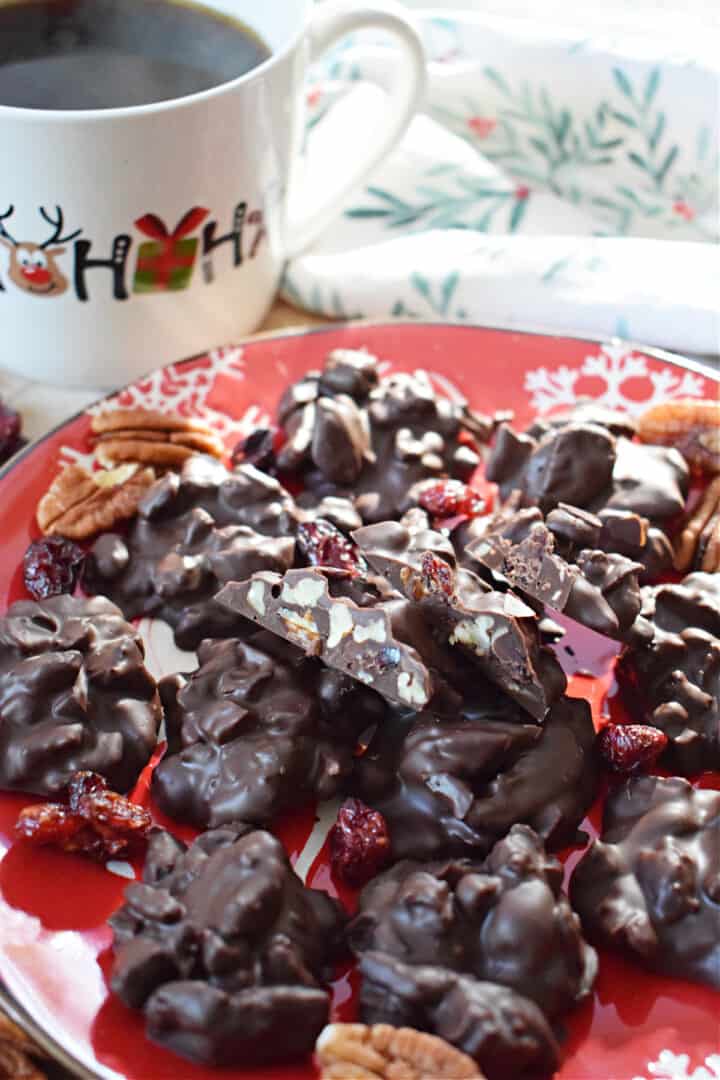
(16, 1011)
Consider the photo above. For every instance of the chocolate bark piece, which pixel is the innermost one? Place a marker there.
(453, 786)
(674, 680)
(497, 630)
(181, 549)
(503, 920)
(74, 695)
(572, 464)
(362, 642)
(224, 949)
(255, 730)
(505, 1033)
(556, 560)
(651, 885)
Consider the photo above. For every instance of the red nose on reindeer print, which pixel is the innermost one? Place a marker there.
(165, 263)
(32, 266)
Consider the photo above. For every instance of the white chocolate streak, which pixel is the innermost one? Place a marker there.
(373, 631)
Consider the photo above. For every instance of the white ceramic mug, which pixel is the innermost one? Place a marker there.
(131, 237)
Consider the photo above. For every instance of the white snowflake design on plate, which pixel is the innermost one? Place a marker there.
(183, 388)
(670, 1066)
(614, 364)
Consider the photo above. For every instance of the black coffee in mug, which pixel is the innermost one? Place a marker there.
(105, 54)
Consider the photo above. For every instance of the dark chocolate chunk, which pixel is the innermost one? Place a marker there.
(257, 729)
(587, 411)
(557, 562)
(504, 920)
(571, 464)
(651, 481)
(506, 1034)
(651, 885)
(362, 642)
(586, 466)
(454, 786)
(224, 949)
(497, 630)
(74, 695)
(346, 427)
(674, 680)
(193, 533)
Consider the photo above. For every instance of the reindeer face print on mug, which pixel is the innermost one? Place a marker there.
(33, 267)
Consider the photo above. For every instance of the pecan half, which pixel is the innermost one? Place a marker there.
(698, 545)
(16, 1053)
(692, 427)
(154, 438)
(80, 503)
(382, 1052)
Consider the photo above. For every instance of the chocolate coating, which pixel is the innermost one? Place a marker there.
(571, 464)
(496, 630)
(586, 466)
(454, 786)
(193, 533)
(674, 680)
(257, 729)
(74, 694)
(557, 561)
(350, 431)
(505, 1033)
(224, 949)
(505, 920)
(651, 885)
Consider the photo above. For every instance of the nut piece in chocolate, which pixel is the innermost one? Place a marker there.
(505, 1033)
(504, 920)
(257, 729)
(651, 885)
(348, 428)
(360, 641)
(454, 786)
(496, 630)
(557, 561)
(674, 680)
(74, 695)
(225, 950)
(193, 533)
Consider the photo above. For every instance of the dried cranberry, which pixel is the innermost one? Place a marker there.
(437, 575)
(628, 747)
(84, 783)
(10, 427)
(51, 566)
(451, 498)
(359, 843)
(322, 544)
(257, 449)
(98, 822)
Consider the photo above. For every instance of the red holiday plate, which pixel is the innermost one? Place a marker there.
(54, 938)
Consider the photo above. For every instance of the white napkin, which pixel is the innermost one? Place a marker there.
(552, 182)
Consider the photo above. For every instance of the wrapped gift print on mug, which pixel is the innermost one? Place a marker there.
(165, 262)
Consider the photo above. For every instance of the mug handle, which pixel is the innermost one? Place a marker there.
(331, 21)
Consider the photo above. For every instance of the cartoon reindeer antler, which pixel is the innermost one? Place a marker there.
(57, 224)
(3, 231)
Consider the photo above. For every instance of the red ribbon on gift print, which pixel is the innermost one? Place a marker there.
(168, 259)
